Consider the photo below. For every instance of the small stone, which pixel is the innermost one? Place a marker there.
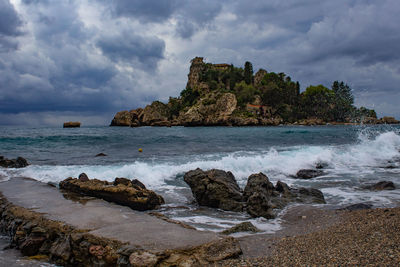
(241, 227)
(83, 177)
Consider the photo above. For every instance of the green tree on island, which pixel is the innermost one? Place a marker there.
(248, 72)
(343, 100)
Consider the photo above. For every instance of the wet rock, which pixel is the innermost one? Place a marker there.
(61, 250)
(308, 173)
(241, 227)
(32, 245)
(382, 185)
(215, 188)
(136, 182)
(123, 193)
(101, 155)
(72, 124)
(321, 165)
(83, 177)
(143, 259)
(358, 206)
(258, 195)
(263, 199)
(19, 162)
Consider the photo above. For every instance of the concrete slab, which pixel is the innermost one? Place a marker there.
(102, 218)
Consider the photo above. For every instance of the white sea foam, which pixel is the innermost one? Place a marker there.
(358, 161)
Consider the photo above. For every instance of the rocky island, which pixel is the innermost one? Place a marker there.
(225, 95)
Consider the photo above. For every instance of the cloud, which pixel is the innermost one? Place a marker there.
(104, 56)
(10, 26)
(130, 48)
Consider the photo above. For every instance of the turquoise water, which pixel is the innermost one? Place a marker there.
(355, 156)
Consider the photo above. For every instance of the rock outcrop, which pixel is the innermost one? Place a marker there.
(72, 124)
(382, 185)
(122, 191)
(215, 188)
(308, 173)
(260, 198)
(155, 113)
(13, 163)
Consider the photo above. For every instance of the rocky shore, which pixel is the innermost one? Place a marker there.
(97, 233)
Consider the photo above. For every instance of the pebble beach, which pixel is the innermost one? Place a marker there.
(359, 238)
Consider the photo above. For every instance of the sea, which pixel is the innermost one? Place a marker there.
(353, 156)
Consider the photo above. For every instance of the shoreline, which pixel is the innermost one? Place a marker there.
(309, 235)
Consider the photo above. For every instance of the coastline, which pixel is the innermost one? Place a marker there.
(310, 235)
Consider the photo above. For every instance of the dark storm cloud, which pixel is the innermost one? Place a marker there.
(10, 24)
(147, 11)
(130, 48)
(9, 19)
(92, 57)
(191, 15)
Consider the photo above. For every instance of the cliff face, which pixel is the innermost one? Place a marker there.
(221, 94)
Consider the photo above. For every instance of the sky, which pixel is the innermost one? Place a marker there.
(87, 59)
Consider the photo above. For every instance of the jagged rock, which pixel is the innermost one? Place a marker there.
(72, 124)
(258, 194)
(382, 185)
(155, 113)
(262, 198)
(196, 68)
(244, 121)
(83, 177)
(122, 118)
(215, 188)
(123, 193)
(311, 121)
(241, 227)
(370, 120)
(389, 120)
(308, 173)
(13, 163)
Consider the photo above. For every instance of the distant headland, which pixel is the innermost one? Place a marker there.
(225, 95)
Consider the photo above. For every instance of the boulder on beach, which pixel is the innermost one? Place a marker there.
(72, 124)
(19, 162)
(122, 191)
(382, 185)
(218, 189)
(263, 198)
(308, 173)
(215, 188)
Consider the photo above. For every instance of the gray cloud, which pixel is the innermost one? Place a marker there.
(131, 48)
(10, 26)
(104, 56)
